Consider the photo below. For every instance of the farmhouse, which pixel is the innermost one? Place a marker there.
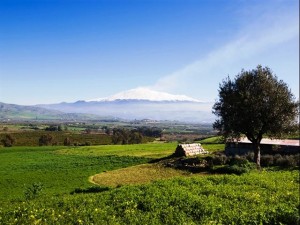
(189, 149)
(267, 146)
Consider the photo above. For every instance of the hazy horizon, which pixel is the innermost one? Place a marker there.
(65, 51)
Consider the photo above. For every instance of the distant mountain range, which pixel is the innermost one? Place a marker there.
(139, 103)
(142, 103)
(23, 113)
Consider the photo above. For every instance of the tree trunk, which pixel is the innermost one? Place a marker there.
(257, 154)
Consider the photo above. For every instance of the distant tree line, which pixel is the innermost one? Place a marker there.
(134, 136)
(113, 136)
(150, 131)
(124, 136)
(54, 128)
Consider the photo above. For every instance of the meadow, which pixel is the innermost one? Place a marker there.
(50, 185)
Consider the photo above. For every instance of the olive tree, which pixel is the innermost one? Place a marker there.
(255, 104)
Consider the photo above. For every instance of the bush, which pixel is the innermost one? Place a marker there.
(45, 139)
(286, 161)
(33, 191)
(280, 160)
(276, 158)
(267, 160)
(8, 141)
(239, 161)
(220, 159)
(249, 156)
(235, 169)
(237, 166)
(297, 159)
(87, 143)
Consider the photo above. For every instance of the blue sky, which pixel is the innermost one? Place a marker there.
(53, 51)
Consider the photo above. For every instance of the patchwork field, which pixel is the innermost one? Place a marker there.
(50, 185)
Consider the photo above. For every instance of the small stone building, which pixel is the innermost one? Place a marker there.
(189, 150)
(267, 146)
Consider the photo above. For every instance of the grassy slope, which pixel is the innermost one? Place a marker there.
(20, 167)
(267, 197)
(62, 169)
(255, 198)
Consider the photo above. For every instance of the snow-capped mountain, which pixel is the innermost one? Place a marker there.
(145, 94)
(142, 103)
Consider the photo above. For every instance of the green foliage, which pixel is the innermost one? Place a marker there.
(281, 160)
(33, 191)
(266, 197)
(124, 136)
(54, 128)
(237, 166)
(150, 131)
(254, 104)
(255, 198)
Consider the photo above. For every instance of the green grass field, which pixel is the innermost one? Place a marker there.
(67, 197)
(62, 169)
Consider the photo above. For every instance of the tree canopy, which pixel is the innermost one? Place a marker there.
(254, 104)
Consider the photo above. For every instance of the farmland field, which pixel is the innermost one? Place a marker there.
(66, 197)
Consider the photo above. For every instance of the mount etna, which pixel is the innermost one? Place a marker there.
(142, 103)
(139, 103)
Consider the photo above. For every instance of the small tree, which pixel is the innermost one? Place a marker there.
(59, 128)
(45, 139)
(135, 137)
(254, 104)
(8, 141)
(67, 141)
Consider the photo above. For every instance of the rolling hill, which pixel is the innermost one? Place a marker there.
(20, 112)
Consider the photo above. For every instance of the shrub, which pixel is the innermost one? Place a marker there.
(88, 143)
(297, 159)
(237, 165)
(67, 141)
(45, 139)
(235, 169)
(276, 158)
(220, 159)
(266, 160)
(286, 161)
(33, 191)
(237, 160)
(8, 141)
(249, 156)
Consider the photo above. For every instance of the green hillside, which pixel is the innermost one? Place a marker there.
(20, 112)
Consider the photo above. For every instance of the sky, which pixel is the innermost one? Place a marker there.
(62, 51)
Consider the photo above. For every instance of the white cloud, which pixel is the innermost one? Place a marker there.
(268, 32)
